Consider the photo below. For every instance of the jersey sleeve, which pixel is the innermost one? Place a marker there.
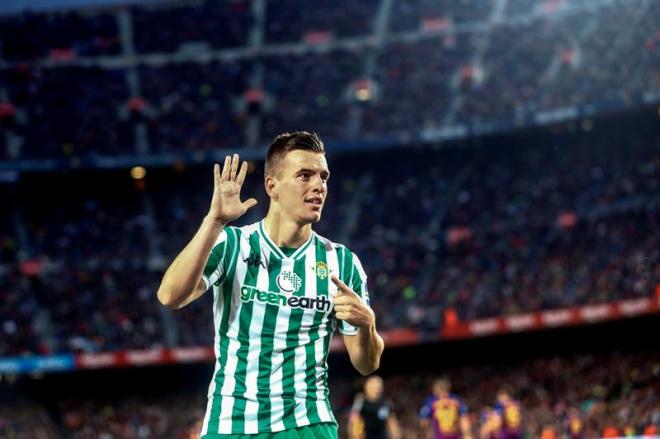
(353, 275)
(214, 270)
(357, 404)
(462, 408)
(426, 410)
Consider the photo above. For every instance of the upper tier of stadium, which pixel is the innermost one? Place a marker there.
(185, 77)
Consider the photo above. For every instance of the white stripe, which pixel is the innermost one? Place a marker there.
(319, 357)
(277, 360)
(254, 351)
(218, 306)
(209, 405)
(321, 367)
(229, 385)
(217, 273)
(333, 269)
(345, 328)
(325, 331)
(302, 417)
(324, 413)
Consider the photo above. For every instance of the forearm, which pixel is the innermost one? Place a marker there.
(466, 428)
(184, 274)
(367, 350)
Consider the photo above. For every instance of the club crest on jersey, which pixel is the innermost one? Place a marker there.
(288, 281)
(321, 270)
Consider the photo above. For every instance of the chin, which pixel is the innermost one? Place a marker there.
(311, 219)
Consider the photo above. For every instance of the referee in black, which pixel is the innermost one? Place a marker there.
(371, 415)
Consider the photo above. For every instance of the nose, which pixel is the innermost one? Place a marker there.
(320, 186)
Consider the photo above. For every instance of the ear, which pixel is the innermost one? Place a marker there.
(270, 184)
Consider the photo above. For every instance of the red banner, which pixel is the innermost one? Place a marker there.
(552, 318)
(400, 337)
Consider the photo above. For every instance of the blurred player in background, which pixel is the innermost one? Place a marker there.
(371, 415)
(279, 292)
(509, 410)
(491, 424)
(444, 415)
(575, 424)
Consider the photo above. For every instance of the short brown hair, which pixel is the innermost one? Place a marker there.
(286, 142)
(442, 384)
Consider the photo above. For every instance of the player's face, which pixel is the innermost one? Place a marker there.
(302, 185)
(373, 388)
(441, 388)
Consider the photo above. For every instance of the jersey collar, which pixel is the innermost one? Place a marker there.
(274, 248)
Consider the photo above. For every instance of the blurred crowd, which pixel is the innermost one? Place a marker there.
(498, 231)
(598, 395)
(440, 63)
(526, 224)
(606, 391)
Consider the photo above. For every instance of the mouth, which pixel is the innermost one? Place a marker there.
(316, 202)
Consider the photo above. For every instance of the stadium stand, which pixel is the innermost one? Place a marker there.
(489, 160)
(195, 84)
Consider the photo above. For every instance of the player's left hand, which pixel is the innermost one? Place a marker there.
(350, 308)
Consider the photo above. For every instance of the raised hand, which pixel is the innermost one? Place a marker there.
(350, 308)
(226, 204)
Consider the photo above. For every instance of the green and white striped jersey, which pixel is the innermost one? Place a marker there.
(273, 322)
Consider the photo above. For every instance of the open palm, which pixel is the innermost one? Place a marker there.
(226, 205)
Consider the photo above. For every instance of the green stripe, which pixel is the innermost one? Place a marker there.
(245, 317)
(292, 340)
(215, 258)
(357, 281)
(267, 345)
(314, 335)
(345, 260)
(326, 351)
(348, 267)
(339, 251)
(233, 238)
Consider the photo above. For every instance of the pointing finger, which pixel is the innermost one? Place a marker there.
(341, 285)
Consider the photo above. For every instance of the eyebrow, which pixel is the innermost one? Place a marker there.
(326, 172)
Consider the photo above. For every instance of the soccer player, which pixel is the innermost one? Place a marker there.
(371, 416)
(445, 413)
(509, 409)
(491, 424)
(575, 424)
(279, 291)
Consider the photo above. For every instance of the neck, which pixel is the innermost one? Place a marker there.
(284, 232)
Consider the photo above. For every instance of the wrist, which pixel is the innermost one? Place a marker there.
(368, 328)
(215, 222)
(370, 325)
